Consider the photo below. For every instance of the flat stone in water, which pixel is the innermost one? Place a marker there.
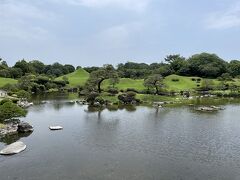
(13, 148)
(54, 128)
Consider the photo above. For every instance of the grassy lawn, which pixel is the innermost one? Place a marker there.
(125, 83)
(79, 77)
(4, 81)
(183, 83)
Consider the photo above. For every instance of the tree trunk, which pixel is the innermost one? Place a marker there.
(157, 91)
(156, 87)
(99, 85)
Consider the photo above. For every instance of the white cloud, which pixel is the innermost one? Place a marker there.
(21, 20)
(135, 5)
(224, 19)
(119, 36)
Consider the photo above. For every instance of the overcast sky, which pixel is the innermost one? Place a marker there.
(96, 32)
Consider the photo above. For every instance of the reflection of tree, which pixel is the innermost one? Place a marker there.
(93, 109)
(130, 108)
(9, 139)
(58, 106)
(112, 107)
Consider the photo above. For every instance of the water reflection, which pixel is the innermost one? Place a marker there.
(119, 142)
(9, 139)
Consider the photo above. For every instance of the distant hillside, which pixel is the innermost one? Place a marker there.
(178, 83)
(172, 82)
(4, 81)
(78, 77)
(125, 83)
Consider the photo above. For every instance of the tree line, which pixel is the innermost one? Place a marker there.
(202, 65)
(22, 68)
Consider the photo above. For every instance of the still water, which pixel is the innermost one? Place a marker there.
(143, 143)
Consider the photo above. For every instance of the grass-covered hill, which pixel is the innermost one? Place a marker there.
(4, 81)
(178, 83)
(125, 83)
(172, 82)
(79, 77)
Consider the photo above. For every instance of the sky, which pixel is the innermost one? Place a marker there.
(97, 32)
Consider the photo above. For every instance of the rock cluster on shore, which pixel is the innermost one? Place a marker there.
(209, 108)
(24, 104)
(15, 127)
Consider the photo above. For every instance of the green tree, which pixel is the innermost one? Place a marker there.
(24, 66)
(37, 66)
(207, 84)
(26, 82)
(97, 77)
(23, 94)
(234, 68)
(154, 81)
(207, 65)
(177, 63)
(15, 72)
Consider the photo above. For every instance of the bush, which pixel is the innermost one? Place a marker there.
(5, 101)
(10, 110)
(128, 98)
(9, 87)
(23, 94)
(60, 83)
(100, 100)
(132, 90)
(91, 97)
(113, 91)
(199, 79)
(147, 91)
(193, 79)
(50, 85)
(175, 80)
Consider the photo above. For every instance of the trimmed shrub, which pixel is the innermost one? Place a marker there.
(132, 89)
(175, 80)
(113, 91)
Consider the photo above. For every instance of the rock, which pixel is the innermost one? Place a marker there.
(217, 108)
(24, 104)
(206, 109)
(54, 128)
(9, 129)
(71, 102)
(81, 102)
(13, 148)
(24, 127)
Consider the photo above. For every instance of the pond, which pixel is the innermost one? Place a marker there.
(143, 143)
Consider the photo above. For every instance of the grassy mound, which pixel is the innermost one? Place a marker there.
(4, 81)
(78, 77)
(125, 83)
(178, 83)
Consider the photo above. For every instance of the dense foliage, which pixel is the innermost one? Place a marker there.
(36, 77)
(97, 77)
(22, 68)
(9, 110)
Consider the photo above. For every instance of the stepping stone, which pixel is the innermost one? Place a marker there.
(13, 148)
(54, 128)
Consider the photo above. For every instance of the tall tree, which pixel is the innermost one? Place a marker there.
(154, 81)
(234, 68)
(97, 77)
(207, 65)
